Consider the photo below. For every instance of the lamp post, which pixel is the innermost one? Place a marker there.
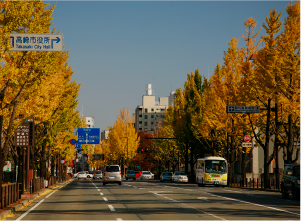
(127, 153)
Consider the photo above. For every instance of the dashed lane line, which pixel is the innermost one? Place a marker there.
(111, 207)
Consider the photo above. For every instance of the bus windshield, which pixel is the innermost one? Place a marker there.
(215, 166)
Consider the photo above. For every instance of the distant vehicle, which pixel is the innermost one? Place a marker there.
(146, 175)
(290, 182)
(179, 177)
(166, 176)
(138, 173)
(130, 174)
(212, 170)
(82, 175)
(75, 175)
(111, 174)
(90, 174)
(97, 174)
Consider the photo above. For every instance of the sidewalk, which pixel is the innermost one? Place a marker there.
(26, 198)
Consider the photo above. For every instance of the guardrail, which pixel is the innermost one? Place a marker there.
(253, 183)
(9, 194)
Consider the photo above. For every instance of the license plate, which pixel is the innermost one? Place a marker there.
(112, 177)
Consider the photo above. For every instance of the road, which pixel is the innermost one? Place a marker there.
(152, 200)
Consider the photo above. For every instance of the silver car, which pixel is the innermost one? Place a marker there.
(146, 175)
(97, 174)
(179, 177)
(111, 174)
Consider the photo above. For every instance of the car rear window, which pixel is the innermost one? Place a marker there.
(112, 168)
(131, 171)
(98, 172)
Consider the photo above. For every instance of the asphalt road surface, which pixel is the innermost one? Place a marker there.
(152, 200)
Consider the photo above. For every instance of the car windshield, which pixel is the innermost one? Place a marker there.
(215, 166)
(297, 171)
(98, 172)
(179, 173)
(131, 171)
(137, 172)
(81, 173)
(146, 172)
(112, 168)
(167, 174)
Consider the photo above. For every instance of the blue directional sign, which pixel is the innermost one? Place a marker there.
(77, 145)
(88, 135)
(242, 109)
(36, 42)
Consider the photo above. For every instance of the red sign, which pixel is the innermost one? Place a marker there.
(247, 138)
(73, 141)
(62, 161)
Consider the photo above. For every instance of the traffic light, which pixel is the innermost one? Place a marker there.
(142, 150)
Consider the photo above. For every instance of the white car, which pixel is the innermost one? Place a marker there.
(75, 175)
(147, 175)
(179, 177)
(90, 175)
(82, 175)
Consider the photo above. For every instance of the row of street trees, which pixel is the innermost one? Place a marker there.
(35, 85)
(199, 120)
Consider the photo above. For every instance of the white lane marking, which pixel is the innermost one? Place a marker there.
(203, 198)
(188, 205)
(98, 189)
(273, 208)
(101, 193)
(234, 191)
(21, 217)
(134, 186)
(50, 194)
(119, 219)
(105, 199)
(111, 207)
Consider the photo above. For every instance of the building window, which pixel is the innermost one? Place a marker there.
(145, 110)
(145, 116)
(152, 109)
(140, 122)
(152, 116)
(152, 123)
(162, 109)
(145, 123)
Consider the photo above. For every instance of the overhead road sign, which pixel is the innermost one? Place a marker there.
(246, 144)
(243, 109)
(88, 135)
(36, 42)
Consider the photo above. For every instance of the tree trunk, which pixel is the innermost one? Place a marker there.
(266, 149)
(289, 152)
(186, 158)
(43, 161)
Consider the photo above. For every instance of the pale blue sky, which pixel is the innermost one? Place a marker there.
(118, 47)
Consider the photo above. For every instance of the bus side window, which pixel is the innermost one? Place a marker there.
(202, 165)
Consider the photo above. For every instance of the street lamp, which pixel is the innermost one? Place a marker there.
(127, 153)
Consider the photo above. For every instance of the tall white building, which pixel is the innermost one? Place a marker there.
(151, 114)
(90, 122)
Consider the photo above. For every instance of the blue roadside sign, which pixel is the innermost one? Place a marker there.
(88, 135)
(243, 109)
(77, 145)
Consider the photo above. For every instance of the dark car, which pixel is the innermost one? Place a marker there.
(291, 181)
(166, 176)
(130, 174)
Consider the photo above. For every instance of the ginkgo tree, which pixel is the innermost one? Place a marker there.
(122, 141)
(31, 82)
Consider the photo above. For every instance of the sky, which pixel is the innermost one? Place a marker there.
(117, 47)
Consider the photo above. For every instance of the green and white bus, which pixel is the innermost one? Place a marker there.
(212, 171)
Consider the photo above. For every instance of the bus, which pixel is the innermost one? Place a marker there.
(212, 171)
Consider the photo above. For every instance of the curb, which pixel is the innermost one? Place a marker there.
(12, 209)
